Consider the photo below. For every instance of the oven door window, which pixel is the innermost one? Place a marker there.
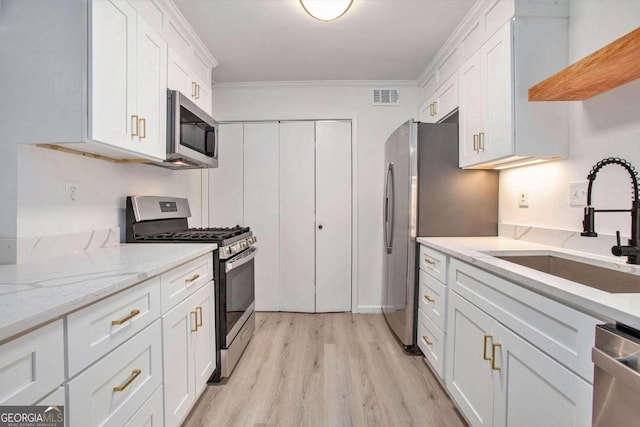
(240, 292)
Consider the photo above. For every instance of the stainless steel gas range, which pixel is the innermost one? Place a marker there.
(151, 219)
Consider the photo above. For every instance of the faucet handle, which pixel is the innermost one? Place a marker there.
(618, 237)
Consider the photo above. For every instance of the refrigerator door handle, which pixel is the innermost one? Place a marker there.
(386, 210)
(392, 208)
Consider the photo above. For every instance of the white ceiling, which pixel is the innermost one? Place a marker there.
(275, 40)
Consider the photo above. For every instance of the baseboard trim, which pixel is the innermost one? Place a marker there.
(365, 309)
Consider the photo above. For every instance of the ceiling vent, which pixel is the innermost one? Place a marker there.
(386, 97)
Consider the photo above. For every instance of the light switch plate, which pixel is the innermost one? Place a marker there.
(578, 193)
(523, 199)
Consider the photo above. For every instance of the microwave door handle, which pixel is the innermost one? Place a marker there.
(240, 260)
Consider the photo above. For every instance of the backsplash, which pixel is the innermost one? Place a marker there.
(567, 239)
(36, 248)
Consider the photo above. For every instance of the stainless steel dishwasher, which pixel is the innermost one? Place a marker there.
(616, 380)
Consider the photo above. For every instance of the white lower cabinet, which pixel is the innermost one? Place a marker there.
(112, 390)
(32, 366)
(150, 415)
(497, 378)
(189, 352)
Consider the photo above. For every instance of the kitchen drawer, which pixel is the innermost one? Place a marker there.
(150, 415)
(434, 263)
(432, 299)
(560, 331)
(184, 280)
(135, 366)
(431, 342)
(91, 332)
(32, 365)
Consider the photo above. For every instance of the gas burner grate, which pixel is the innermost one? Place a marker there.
(198, 234)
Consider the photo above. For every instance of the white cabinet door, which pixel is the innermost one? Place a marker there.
(204, 340)
(179, 75)
(226, 181)
(203, 97)
(297, 216)
(446, 98)
(468, 373)
(178, 325)
(112, 73)
(333, 216)
(471, 109)
(261, 208)
(497, 140)
(151, 86)
(535, 390)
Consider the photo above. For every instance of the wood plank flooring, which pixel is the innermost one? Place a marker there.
(337, 369)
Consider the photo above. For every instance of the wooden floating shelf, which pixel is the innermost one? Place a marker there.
(614, 65)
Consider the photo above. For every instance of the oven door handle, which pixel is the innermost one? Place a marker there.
(241, 259)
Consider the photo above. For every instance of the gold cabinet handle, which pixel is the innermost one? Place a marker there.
(195, 314)
(126, 318)
(493, 356)
(435, 108)
(475, 142)
(132, 377)
(199, 322)
(143, 134)
(428, 298)
(193, 89)
(484, 347)
(429, 261)
(429, 343)
(134, 119)
(481, 141)
(197, 91)
(192, 278)
(431, 109)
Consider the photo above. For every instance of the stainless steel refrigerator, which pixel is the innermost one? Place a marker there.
(427, 195)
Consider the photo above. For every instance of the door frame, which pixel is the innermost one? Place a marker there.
(353, 118)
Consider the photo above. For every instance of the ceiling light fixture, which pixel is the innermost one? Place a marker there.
(326, 10)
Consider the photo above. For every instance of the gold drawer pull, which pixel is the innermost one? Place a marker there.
(475, 142)
(199, 323)
(484, 349)
(424, 337)
(481, 141)
(428, 298)
(192, 279)
(126, 318)
(143, 133)
(197, 91)
(196, 322)
(193, 89)
(493, 356)
(429, 261)
(435, 108)
(134, 375)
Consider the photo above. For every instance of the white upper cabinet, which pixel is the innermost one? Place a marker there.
(183, 78)
(103, 89)
(128, 78)
(498, 54)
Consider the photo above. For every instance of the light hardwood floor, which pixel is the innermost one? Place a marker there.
(325, 370)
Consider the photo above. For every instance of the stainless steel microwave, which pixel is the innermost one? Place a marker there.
(192, 141)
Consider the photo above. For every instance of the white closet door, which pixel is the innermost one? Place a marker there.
(333, 216)
(226, 181)
(297, 217)
(261, 208)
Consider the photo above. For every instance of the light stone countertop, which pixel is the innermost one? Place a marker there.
(621, 307)
(37, 293)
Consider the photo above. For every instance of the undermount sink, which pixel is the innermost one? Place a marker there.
(605, 279)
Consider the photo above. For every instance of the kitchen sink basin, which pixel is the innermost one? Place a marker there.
(605, 279)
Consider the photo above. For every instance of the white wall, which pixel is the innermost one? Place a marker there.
(339, 100)
(102, 188)
(607, 125)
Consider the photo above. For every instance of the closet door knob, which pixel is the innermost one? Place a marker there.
(320, 227)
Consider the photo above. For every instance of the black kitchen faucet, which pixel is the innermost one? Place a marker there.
(632, 250)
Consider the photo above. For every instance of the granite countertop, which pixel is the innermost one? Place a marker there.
(621, 307)
(37, 293)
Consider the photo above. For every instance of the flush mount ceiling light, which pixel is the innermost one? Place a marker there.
(326, 10)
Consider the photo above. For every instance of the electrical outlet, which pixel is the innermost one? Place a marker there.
(71, 193)
(523, 199)
(578, 193)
